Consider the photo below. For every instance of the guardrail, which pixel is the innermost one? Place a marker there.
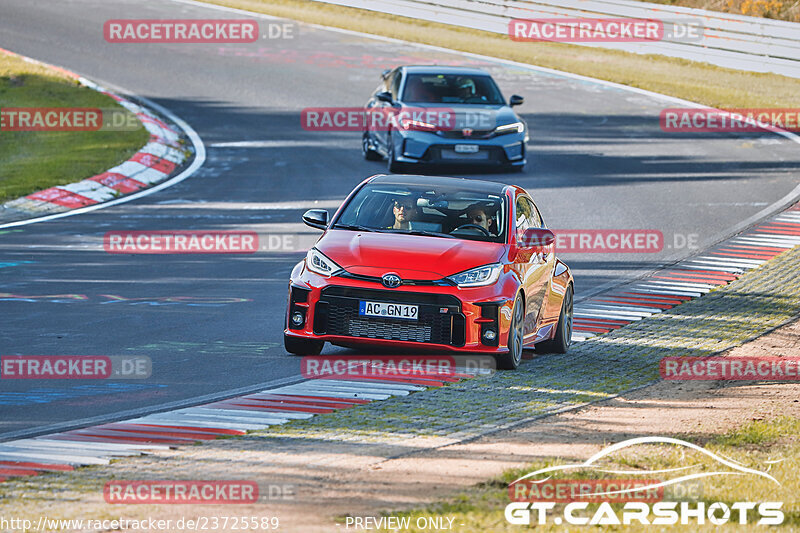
(732, 41)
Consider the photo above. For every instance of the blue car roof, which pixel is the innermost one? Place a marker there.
(444, 69)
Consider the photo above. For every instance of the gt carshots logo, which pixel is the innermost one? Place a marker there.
(664, 513)
(543, 492)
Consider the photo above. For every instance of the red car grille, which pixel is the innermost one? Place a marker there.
(374, 329)
(337, 314)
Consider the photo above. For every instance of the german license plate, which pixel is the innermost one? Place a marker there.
(466, 148)
(387, 310)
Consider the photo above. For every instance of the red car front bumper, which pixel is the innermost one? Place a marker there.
(450, 318)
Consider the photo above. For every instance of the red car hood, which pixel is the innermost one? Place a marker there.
(409, 256)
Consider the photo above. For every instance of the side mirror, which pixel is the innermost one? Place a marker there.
(385, 96)
(537, 238)
(316, 218)
(515, 100)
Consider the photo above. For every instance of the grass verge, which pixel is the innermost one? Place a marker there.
(482, 507)
(31, 161)
(698, 82)
(770, 9)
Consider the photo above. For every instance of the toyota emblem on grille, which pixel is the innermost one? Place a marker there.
(467, 132)
(391, 281)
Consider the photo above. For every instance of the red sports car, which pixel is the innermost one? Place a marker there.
(443, 264)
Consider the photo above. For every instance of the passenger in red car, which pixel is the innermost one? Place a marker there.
(404, 210)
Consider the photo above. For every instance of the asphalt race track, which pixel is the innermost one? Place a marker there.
(213, 323)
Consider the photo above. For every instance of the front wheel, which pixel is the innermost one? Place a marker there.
(391, 163)
(366, 149)
(563, 338)
(301, 346)
(511, 360)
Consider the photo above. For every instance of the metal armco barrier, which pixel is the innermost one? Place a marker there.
(733, 41)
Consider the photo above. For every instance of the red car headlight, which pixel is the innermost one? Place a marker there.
(477, 277)
(319, 263)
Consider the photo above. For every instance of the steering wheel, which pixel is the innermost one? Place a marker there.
(475, 226)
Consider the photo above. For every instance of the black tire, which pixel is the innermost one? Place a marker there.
(301, 346)
(516, 332)
(367, 151)
(560, 343)
(392, 164)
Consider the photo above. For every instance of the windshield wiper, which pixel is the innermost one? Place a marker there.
(353, 227)
(425, 233)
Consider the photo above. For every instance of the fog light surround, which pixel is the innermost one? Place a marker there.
(489, 322)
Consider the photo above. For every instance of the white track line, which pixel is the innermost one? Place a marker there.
(589, 314)
(51, 457)
(636, 309)
(188, 422)
(355, 389)
(332, 393)
(110, 446)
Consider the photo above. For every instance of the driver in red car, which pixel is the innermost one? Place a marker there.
(404, 210)
(476, 214)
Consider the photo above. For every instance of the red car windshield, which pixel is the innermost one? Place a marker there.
(434, 211)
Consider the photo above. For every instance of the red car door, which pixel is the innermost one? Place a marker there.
(534, 263)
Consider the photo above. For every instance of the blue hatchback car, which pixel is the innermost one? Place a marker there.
(443, 115)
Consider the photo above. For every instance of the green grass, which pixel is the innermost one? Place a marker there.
(32, 161)
(481, 508)
(698, 82)
(761, 433)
